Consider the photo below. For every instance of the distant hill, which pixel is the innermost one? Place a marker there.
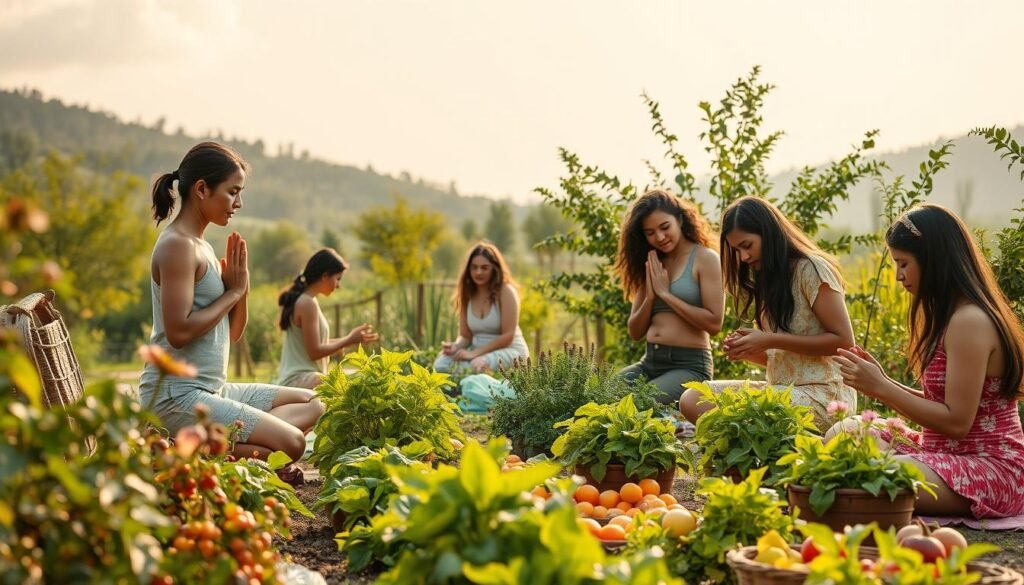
(312, 193)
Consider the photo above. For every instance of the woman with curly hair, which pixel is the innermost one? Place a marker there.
(668, 269)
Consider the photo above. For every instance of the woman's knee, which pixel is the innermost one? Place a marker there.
(688, 404)
(480, 365)
(293, 443)
(443, 364)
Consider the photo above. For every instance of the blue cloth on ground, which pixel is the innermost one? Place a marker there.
(478, 391)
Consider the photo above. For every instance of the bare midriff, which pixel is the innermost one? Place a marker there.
(668, 328)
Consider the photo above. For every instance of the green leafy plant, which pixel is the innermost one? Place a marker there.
(550, 388)
(840, 562)
(851, 459)
(476, 524)
(378, 406)
(734, 515)
(600, 434)
(748, 428)
(359, 485)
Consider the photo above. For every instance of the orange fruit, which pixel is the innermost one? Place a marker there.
(679, 522)
(624, 521)
(612, 532)
(648, 505)
(588, 493)
(613, 512)
(632, 512)
(541, 492)
(650, 486)
(649, 498)
(630, 492)
(590, 525)
(513, 459)
(677, 507)
(624, 506)
(669, 499)
(585, 509)
(600, 512)
(609, 498)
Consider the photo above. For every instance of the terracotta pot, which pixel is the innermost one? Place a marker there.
(338, 521)
(615, 478)
(856, 506)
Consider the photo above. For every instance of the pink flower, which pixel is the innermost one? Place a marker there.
(896, 426)
(868, 416)
(837, 408)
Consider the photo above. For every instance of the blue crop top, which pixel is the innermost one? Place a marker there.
(684, 288)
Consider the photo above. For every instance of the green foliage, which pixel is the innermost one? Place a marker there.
(476, 524)
(748, 428)
(734, 515)
(67, 516)
(1010, 240)
(879, 305)
(378, 406)
(618, 433)
(278, 253)
(839, 560)
(440, 321)
(397, 241)
(359, 484)
(261, 331)
(97, 262)
(543, 222)
(500, 227)
(851, 459)
(549, 388)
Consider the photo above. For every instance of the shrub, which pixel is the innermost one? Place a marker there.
(378, 406)
(550, 389)
(618, 433)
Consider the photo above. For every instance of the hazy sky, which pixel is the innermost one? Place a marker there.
(483, 92)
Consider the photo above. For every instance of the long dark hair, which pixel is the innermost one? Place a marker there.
(211, 162)
(952, 269)
(323, 262)
(769, 289)
(633, 245)
(466, 288)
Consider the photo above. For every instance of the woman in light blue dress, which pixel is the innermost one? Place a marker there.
(200, 307)
(488, 308)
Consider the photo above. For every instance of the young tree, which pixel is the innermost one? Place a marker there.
(542, 223)
(278, 253)
(499, 227)
(397, 242)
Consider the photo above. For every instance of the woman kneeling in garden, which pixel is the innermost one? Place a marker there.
(966, 346)
(199, 307)
(667, 266)
(797, 295)
(488, 307)
(307, 343)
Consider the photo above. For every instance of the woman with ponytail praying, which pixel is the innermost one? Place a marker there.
(200, 307)
(307, 343)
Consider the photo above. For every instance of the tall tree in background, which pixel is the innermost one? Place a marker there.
(499, 228)
(99, 235)
(329, 239)
(542, 223)
(469, 230)
(397, 242)
(278, 254)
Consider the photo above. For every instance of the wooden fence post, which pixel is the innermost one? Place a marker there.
(378, 299)
(420, 309)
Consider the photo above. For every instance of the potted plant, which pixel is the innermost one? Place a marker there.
(549, 388)
(849, 480)
(611, 444)
(378, 405)
(748, 428)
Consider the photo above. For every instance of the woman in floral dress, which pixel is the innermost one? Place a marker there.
(966, 345)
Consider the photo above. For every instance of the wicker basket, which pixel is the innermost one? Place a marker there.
(750, 572)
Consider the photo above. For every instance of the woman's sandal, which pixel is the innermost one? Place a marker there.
(292, 475)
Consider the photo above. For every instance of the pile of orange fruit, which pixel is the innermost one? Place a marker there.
(619, 508)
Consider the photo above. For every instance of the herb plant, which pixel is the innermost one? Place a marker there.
(851, 459)
(618, 433)
(378, 406)
(550, 389)
(748, 428)
(359, 484)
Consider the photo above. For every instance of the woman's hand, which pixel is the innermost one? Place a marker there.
(363, 334)
(657, 274)
(861, 371)
(745, 343)
(448, 348)
(235, 265)
(465, 355)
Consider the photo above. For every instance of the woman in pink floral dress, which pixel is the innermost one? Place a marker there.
(966, 344)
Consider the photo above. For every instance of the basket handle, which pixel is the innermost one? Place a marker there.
(38, 302)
